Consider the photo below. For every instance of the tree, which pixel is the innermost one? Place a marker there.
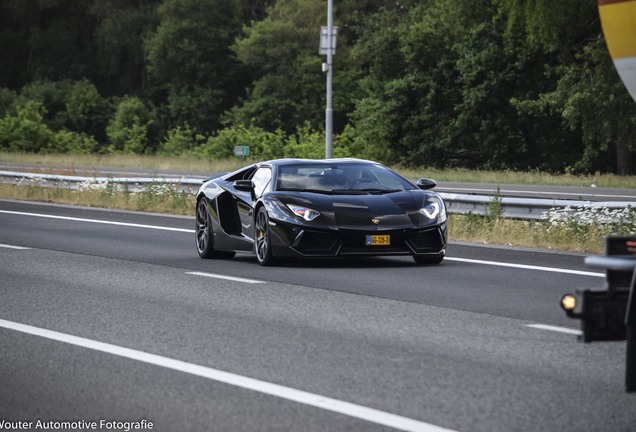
(121, 27)
(254, 10)
(438, 86)
(72, 105)
(190, 63)
(47, 40)
(86, 110)
(128, 129)
(588, 94)
(281, 51)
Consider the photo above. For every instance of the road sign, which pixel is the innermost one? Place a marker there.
(324, 40)
(241, 151)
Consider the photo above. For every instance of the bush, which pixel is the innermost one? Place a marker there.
(25, 131)
(68, 105)
(128, 129)
(74, 142)
(86, 110)
(51, 95)
(306, 143)
(179, 141)
(343, 144)
(262, 144)
(356, 143)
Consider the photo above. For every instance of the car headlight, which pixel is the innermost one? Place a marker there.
(434, 209)
(304, 212)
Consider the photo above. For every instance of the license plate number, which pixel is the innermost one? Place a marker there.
(378, 240)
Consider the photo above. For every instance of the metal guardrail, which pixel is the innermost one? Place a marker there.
(521, 208)
(56, 179)
(510, 207)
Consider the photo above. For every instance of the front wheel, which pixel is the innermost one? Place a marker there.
(204, 234)
(263, 242)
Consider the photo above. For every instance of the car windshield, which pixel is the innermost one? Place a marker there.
(345, 178)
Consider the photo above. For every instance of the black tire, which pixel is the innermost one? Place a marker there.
(204, 236)
(263, 241)
(428, 259)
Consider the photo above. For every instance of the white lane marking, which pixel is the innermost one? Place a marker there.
(303, 397)
(556, 329)
(189, 231)
(526, 267)
(230, 278)
(99, 221)
(6, 246)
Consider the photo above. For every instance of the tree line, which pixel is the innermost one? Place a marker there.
(480, 84)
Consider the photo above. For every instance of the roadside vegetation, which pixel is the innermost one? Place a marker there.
(575, 230)
(95, 165)
(493, 85)
(156, 198)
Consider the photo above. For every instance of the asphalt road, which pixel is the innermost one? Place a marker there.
(111, 316)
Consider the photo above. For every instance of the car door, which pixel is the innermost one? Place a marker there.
(261, 178)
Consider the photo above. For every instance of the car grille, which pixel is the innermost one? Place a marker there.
(429, 240)
(309, 241)
(350, 242)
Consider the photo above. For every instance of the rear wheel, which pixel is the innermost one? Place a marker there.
(263, 243)
(205, 236)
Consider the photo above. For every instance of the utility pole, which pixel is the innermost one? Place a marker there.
(328, 48)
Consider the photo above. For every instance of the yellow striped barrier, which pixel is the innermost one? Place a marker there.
(618, 19)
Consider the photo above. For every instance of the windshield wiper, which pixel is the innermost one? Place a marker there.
(349, 192)
(365, 191)
(381, 191)
(320, 191)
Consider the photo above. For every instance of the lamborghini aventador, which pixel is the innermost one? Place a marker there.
(298, 208)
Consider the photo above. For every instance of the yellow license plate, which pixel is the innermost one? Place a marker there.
(378, 240)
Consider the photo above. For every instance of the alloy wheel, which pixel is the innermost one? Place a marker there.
(202, 228)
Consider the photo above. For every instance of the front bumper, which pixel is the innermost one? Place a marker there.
(295, 241)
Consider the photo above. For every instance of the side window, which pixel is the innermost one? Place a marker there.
(261, 179)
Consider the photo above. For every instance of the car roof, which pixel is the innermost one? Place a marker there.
(293, 161)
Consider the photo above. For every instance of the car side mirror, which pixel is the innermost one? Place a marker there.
(426, 184)
(243, 185)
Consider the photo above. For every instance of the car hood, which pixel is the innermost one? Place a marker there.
(365, 211)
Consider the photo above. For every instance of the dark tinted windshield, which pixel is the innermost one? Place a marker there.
(344, 177)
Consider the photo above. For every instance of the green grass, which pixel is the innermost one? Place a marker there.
(512, 177)
(531, 234)
(92, 164)
(154, 198)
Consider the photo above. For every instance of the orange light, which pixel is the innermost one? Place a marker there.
(568, 302)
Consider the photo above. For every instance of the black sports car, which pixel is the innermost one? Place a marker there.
(298, 208)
